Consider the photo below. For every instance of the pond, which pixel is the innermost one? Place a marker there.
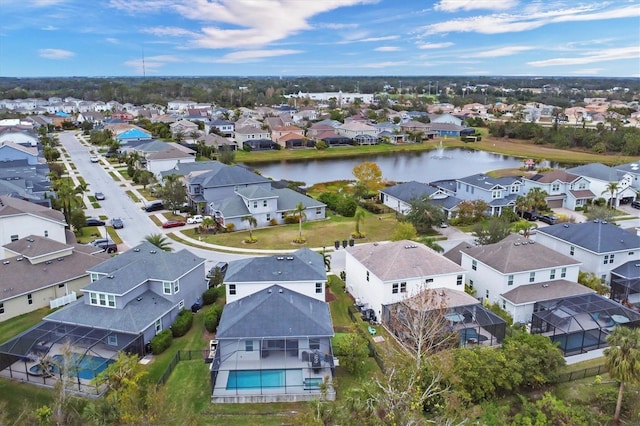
(425, 166)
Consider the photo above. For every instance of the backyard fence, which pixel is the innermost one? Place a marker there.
(181, 356)
(352, 311)
(581, 374)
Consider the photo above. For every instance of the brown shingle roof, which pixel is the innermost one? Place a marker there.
(13, 206)
(554, 175)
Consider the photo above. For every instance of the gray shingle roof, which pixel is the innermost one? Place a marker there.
(302, 265)
(255, 193)
(224, 175)
(409, 190)
(275, 312)
(184, 169)
(487, 182)
(550, 290)
(140, 264)
(596, 236)
(13, 206)
(516, 254)
(288, 199)
(402, 260)
(628, 270)
(596, 170)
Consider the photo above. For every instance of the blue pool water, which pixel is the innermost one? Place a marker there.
(256, 379)
(88, 366)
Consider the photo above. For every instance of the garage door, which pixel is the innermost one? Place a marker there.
(554, 204)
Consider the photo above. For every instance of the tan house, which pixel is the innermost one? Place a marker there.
(281, 134)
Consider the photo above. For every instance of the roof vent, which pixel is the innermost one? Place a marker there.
(280, 258)
(110, 277)
(289, 257)
(566, 225)
(545, 285)
(153, 252)
(139, 298)
(516, 243)
(280, 291)
(6, 262)
(48, 262)
(269, 291)
(19, 259)
(30, 240)
(531, 242)
(136, 250)
(60, 259)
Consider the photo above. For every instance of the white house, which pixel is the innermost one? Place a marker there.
(600, 178)
(494, 269)
(598, 245)
(302, 271)
(380, 274)
(564, 189)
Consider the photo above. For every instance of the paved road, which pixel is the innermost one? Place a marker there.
(137, 223)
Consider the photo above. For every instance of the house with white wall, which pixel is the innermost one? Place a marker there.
(564, 189)
(399, 197)
(599, 246)
(601, 176)
(380, 274)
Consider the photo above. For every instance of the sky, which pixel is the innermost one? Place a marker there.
(59, 38)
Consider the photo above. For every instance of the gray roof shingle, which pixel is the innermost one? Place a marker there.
(596, 236)
(550, 290)
(409, 190)
(302, 265)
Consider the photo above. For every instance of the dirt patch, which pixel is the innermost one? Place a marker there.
(329, 297)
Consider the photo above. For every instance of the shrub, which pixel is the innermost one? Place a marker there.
(273, 222)
(182, 324)
(231, 227)
(210, 296)
(347, 207)
(290, 219)
(161, 342)
(372, 206)
(212, 318)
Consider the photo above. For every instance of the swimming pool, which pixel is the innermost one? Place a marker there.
(262, 379)
(87, 367)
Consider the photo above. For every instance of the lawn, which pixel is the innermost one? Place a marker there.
(318, 233)
(15, 326)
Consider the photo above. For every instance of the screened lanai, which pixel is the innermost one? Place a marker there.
(625, 285)
(581, 323)
(43, 353)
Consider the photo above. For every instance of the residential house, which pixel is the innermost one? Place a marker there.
(129, 133)
(601, 176)
(217, 141)
(399, 197)
(302, 271)
(273, 345)
(39, 272)
(247, 133)
(361, 133)
(633, 169)
(445, 119)
(451, 130)
(282, 134)
(19, 218)
(417, 127)
(223, 127)
(122, 115)
(29, 182)
(93, 117)
(159, 161)
(500, 193)
(599, 245)
(494, 269)
(185, 127)
(11, 151)
(380, 274)
(20, 135)
(564, 189)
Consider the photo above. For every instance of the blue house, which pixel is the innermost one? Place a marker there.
(499, 193)
(133, 135)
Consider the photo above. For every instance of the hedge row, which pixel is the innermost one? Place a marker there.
(212, 318)
(342, 204)
(161, 342)
(210, 296)
(182, 324)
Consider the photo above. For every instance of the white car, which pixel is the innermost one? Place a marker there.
(94, 158)
(195, 219)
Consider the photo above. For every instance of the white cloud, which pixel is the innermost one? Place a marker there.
(41, 3)
(386, 64)
(49, 28)
(361, 38)
(335, 26)
(455, 5)
(170, 31)
(435, 45)
(587, 71)
(630, 52)
(387, 49)
(254, 55)
(112, 40)
(55, 53)
(502, 51)
(507, 23)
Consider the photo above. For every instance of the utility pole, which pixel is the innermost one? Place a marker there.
(429, 88)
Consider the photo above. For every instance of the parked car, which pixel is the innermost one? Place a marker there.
(550, 219)
(94, 159)
(173, 224)
(117, 223)
(635, 204)
(105, 244)
(222, 266)
(99, 196)
(154, 206)
(195, 219)
(92, 221)
(532, 215)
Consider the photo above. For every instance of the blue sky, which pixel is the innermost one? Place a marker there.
(319, 37)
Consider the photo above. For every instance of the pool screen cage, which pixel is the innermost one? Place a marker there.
(581, 323)
(271, 366)
(38, 354)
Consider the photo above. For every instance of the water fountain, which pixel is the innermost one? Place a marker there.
(440, 153)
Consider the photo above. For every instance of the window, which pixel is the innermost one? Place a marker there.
(318, 288)
(630, 253)
(158, 326)
(232, 289)
(403, 287)
(268, 217)
(282, 215)
(572, 249)
(552, 274)
(474, 265)
(166, 287)
(555, 187)
(532, 277)
(471, 284)
(248, 346)
(102, 299)
(496, 194)
(29, 299)
(1, 308)
(504, 305)
(314, 344)
(428, 281)
(367, 275)
(394, 288)
(318, 211)
(608, 258)
(176, 286)
(93, 298)
(14, 238)
(111, 300)
(459, 280)
(603, 278)
(112, 340)
(515, 188)
(255, 204)
(181, 304)
(60, 285)
(94, 277)
(487, 294)
(510, 280)
(264, 203)
(563, 272)
(46, 233)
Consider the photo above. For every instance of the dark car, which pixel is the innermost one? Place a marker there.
(532, 215)
(117, 223)
(105, 244)
(99, 196)
(173, 224)
(92, 221)
(550, 219)
(154, 206)
(635, 204)
(222, 266)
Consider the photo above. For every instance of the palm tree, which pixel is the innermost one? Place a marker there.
(623, 359)
(523, 204)
(538, 198)
(299, 210)
(159, 241)
(359, 218)
(252, 222)
(207, 222)
(612, 188)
